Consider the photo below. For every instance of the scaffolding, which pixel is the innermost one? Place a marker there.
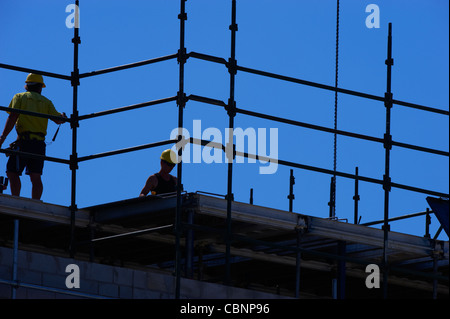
(182, 98)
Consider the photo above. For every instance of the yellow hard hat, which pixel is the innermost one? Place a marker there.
(35, 78)
(169, 156)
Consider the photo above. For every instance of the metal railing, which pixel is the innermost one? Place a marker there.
(230, 106)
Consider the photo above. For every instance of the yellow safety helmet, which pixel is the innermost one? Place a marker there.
(35, 78)
(169, 156)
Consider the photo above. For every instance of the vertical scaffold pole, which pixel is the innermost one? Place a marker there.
(387, 145)
(181, 101)
(15, 259)
(356, 197)
(291, 195)
(230, 151)
(75, 81)
(298, 260)
(342, 246)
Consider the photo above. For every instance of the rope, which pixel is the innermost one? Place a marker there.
(54, 136)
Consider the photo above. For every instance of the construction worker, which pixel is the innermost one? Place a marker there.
(31, 132)
(162, 182)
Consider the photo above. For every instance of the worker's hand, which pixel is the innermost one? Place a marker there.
(59, 121)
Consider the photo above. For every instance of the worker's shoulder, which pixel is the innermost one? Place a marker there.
(16, 100)
(19, 95)
(42, 98)
(35, 96)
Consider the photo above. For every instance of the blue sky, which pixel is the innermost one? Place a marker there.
(290, 37)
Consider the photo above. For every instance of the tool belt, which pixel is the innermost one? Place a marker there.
(27, 135)
(14, 146)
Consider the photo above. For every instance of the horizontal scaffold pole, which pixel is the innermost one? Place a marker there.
(128, 66)
(207, 57)
(219, 60)
(317, 127)
(126, 150)
(47, 116)
(127, 108)
(396, 218)
(316, 85)
(340, 90)
(37, 156)
(313, 168)
(28, 70)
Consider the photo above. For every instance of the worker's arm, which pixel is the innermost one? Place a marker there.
(150, 185)
(60, 121)
(9, 125)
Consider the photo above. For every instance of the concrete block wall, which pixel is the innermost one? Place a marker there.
(102, 281)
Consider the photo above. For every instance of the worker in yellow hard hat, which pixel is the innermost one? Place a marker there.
(31, 132)
(162, 182)
(35, 78)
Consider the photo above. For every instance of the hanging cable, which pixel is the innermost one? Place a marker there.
(336, 86)
(333, 180)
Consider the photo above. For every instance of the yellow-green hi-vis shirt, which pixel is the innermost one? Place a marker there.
(34, 102)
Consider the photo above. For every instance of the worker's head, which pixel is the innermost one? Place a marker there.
(168, 160)
(34, 83)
